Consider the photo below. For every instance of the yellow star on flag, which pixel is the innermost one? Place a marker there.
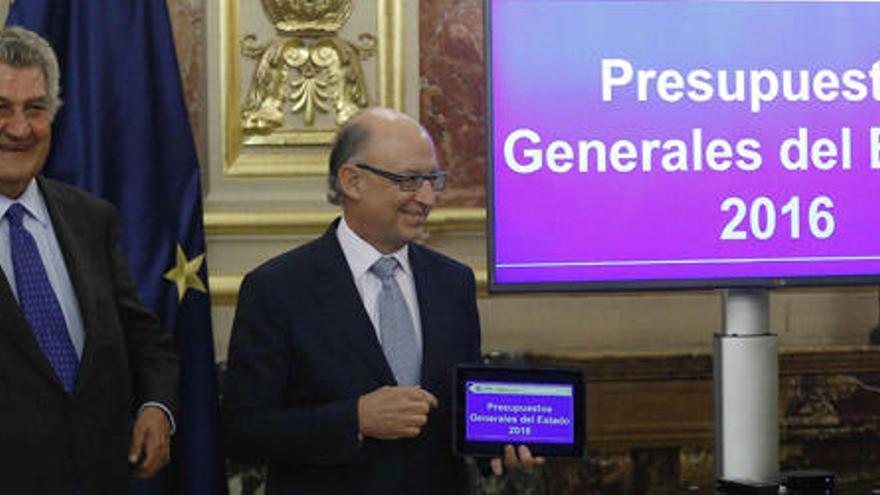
(186, 274)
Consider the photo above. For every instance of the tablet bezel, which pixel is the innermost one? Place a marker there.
(518, 374)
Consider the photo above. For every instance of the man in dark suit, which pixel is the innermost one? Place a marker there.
(80, 357)
(340, 370)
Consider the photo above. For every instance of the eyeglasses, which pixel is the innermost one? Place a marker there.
(410, 182)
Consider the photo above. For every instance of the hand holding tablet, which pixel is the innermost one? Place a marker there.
(515, 458)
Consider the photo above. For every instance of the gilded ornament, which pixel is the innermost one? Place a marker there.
(307, 68)
(298, 16)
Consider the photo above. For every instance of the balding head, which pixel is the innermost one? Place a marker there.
(377, 125)
(384, 172)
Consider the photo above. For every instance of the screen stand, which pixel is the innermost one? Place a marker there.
(746, 390)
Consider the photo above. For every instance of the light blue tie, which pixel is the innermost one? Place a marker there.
(38, 301)
(396, 326)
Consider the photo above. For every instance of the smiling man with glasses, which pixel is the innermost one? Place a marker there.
(342, 350)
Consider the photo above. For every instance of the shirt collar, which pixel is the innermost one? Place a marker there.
(361, 255)
(32, 201)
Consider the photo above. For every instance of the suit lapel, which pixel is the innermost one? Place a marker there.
(16, 326)
(67, 219)
(432, 343)
(338, 292)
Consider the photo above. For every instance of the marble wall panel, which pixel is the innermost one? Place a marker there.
(452, 93)
(188, 25)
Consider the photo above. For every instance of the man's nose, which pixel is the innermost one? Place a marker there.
(426, 195)
(17, 125)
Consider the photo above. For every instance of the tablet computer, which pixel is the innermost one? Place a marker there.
(543, 408)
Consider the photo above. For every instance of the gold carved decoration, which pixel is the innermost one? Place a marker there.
(305, 77)
(302, 16)
(308, 67)
(696, 465)
(816, 401)
(614, 469)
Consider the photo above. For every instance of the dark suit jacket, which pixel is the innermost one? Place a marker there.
(48, 437)
(302, 352)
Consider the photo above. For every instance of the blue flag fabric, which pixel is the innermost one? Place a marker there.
(123, 134)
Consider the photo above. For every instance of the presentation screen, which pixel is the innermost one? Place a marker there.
(682, 144)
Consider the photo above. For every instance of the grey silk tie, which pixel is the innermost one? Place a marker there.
(396, 326)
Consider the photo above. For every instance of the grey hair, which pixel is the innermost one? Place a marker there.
(21, 48)
(350, 141)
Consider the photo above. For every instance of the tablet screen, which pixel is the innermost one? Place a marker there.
(518, 412)
(538, 407)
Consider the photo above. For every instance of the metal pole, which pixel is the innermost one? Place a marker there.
(746, 389)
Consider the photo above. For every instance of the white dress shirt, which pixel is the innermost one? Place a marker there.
(360, 256)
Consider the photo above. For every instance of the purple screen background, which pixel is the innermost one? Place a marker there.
(562, 406)
(546, 77)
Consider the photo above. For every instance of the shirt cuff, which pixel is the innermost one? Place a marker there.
(164, 409)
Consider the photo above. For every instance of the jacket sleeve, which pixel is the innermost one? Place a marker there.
(473, 316)
(152, 357)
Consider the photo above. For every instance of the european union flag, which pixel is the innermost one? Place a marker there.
(123, 134)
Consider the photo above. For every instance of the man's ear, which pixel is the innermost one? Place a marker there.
(350, 181)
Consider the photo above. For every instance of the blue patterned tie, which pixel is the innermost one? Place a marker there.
(396, 326)
(38, 301)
